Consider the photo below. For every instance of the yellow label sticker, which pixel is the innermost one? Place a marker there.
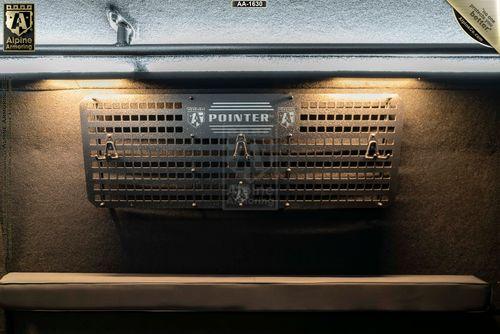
(482, 17)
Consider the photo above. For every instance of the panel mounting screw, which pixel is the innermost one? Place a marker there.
(191, 98)
(192, 169)
(193, 204)
(241, 182)
(380, 204)
(240, 204)
(290, 97)
(287, 204)
(102, 204)
(191, 135)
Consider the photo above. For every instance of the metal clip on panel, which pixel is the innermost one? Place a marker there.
(110, 150)
(372, 151)
(241, 140)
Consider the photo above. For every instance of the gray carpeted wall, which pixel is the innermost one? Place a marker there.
(444, 221)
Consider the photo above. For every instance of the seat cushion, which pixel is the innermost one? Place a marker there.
(77, 291)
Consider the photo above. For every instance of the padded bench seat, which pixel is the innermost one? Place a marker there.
(77, 291)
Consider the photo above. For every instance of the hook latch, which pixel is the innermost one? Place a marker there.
(241, 140)
(110, 151)
(372, 151)
(124, 30)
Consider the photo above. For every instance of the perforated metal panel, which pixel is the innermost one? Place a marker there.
(241, 151)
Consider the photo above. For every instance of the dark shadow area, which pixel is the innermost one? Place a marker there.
(261, 323)
(342, 242)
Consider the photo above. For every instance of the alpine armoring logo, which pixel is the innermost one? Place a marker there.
(196, 117)
(286, 116)
(19, 28)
